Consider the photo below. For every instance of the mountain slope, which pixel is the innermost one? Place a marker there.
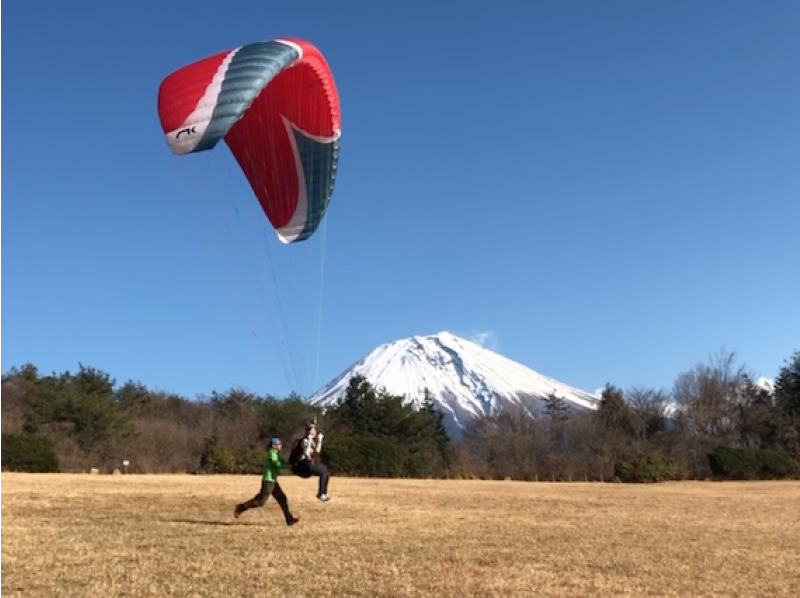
(465, 379)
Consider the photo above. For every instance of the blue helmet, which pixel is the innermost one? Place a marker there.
(274, 440)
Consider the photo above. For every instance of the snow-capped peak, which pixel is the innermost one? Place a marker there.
(465, 379)
(767, 384)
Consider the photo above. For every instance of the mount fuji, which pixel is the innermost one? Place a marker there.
(465, 379)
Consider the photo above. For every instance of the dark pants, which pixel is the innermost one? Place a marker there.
(305, 469)
(268, 489)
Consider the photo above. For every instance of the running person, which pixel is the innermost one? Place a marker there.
(273, 463)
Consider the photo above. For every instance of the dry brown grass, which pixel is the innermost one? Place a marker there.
(93, 536)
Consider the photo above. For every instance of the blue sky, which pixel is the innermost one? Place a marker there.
(605, 191)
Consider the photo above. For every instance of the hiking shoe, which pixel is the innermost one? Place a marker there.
(323, 497)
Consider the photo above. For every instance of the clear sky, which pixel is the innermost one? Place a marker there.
(604, 191)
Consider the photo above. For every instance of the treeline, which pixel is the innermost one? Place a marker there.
(91, 423)
(82, 421)
(713, 423)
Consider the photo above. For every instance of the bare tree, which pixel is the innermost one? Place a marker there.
(710, 394)
(651, 409)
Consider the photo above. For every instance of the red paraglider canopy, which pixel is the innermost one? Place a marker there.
(276, 107)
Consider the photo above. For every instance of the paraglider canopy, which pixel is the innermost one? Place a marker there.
(275, 106)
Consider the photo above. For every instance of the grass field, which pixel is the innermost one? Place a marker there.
(93, 536)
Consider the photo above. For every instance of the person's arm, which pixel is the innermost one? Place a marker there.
(278, 461)
(308, 449)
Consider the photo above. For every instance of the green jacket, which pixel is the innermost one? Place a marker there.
(273, 463)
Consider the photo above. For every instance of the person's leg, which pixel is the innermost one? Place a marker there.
(277, 492)
(257, 501)
(305, 469)
(322, 472)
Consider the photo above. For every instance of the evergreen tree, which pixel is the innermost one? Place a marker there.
(134, 398)
(437, 430)
(756, 417)
(83, 404)
(787, 397)
(614, 414)
(556, 408)
(559, 416)
(373, 432)
(787, 386)
(284, 417)
(616, 428)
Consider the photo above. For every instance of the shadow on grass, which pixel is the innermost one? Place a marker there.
(217, 522)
